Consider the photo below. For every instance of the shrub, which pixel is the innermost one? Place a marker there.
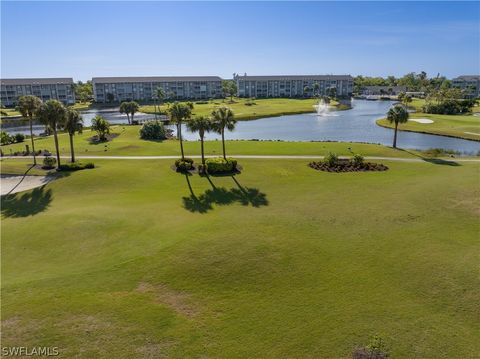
(75, 166)
(357, 160)
(449, 107)
(19, 137)
(153, 130)
(183, 165)
(376, 349)
(6, 138)
(49, 162)
(331, 159)
(221, 165)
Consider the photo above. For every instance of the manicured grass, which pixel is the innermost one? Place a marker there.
(261, 107)
(118, 262)
(82, 105)
(463, 126)
(128, 143)
(10, 112)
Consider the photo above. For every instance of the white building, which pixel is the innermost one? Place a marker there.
(117, 89)
(293, 85)
(469, 83)
(45, 88)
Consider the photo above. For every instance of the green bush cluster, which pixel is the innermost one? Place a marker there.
(76, 166)
(357, 160)
(449, 107)
(183, 165)
(7, 139)
(331, 159)
(49, 162)
(221, 165)
(153, 130)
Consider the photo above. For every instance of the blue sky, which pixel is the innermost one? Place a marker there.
(85, 39)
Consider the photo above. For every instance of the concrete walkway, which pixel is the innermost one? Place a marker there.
(14, 184)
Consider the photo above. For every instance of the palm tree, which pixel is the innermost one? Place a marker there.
(101, 126)
(52, 113)
(132, 108)
(160, 96)
(406, 100)
(124, 109)
(180, 112)
(316, 88)
(397, 114)
(200, 124)
(28, 106)
(73, 123)
(306, 89)
(223, 118)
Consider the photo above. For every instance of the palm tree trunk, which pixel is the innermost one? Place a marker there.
(395, 136)
(223, 143)
(132, 116)
(72, 153)
(33, 142)
(179, 134)
(203, 153)
(56, 144)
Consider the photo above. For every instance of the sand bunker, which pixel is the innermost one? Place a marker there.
(421, 120)
(14, 184)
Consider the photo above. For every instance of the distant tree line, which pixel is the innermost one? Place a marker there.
(413, 81)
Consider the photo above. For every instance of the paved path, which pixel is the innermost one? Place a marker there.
(14, 184)
(273, 157)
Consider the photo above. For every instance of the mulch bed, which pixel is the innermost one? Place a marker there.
(238, 170)
(95, 141)
(347, 166)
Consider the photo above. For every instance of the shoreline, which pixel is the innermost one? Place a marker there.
(426, 133)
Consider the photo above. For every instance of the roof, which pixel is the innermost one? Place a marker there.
(154, 79)
(38, 81)
(295, 77)
(467, 78)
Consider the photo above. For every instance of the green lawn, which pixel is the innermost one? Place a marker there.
(10, 112)
(463, 126)
(80, 106)
(128, 143)
(281, 261)
(261, 107)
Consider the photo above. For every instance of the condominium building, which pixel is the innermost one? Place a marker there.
(469, 83)
(293, 85)
(45, 88)
(117, 89)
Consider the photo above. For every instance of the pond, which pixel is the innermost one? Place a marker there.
(355, 125)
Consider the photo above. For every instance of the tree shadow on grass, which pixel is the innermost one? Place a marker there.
(26, 204)
(221, 196)
(435, 161)
(247, 195)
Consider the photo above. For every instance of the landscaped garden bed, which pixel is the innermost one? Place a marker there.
(332, 163)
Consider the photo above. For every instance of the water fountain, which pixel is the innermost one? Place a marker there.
(322, 108)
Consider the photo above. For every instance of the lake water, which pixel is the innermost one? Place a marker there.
(355, 125)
